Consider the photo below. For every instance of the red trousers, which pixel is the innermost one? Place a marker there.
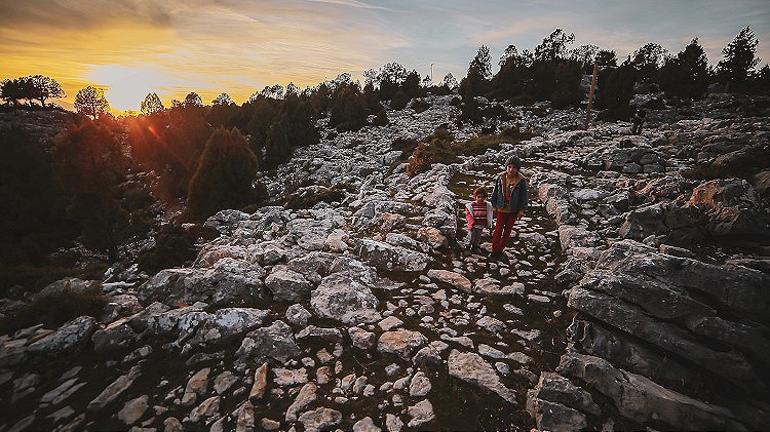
(502, 232)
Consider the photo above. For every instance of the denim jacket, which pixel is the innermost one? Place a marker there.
(519, 195)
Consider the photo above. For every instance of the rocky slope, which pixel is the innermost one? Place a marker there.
(624, 301)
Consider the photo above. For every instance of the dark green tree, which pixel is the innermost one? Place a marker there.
(476, 82)
(739, 59)
(686, 75)
(91, 102)
(554, 46)
(616, 88)
(151, 104)
(225, 175)
(277, 146)
(90, 165)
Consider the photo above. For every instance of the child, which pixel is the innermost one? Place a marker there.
(478, 213)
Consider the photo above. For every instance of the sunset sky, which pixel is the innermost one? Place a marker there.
(132, 47)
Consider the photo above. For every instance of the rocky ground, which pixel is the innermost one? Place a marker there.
(630, 297)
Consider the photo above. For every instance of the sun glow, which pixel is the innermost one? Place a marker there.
(126, 86)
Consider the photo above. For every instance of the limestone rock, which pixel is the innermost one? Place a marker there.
(471, 368)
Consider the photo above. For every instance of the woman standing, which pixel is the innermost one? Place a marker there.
(509, 199)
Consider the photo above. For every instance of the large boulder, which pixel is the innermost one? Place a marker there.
(636, 397)
(274, 341)
(345, 299)
(452, 279)
(287, 285)
(72, 337)
(229, 282)
(401, 342)
(224, 326)
(732, 207)
(387, 257)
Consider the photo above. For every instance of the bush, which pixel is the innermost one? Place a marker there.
(33, 221)
(419, 105)
(616, 88)
(224, 177)
(348, 109)
(441, 147)
(399, 101)
(53, 310)
(170, 144)
(381, 119)
(470, 111)
(436, 148)
(406, 145)
(522, 100)
(90, 164)
(277, 146)
(174, 247)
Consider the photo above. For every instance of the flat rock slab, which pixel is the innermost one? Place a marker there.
(452, 279)
(401, 342)
(471, 368)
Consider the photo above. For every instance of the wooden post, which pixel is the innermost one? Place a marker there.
(591, 97)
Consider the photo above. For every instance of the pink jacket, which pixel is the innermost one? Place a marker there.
(469, 215)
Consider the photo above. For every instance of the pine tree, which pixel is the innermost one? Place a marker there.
(151, 104)
(225, 175)
(739, 58)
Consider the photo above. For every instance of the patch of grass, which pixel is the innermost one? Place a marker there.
(55, 309)
(437, 148)
(442, 148)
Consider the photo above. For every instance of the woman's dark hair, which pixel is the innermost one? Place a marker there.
(515, 161)
(480, 191)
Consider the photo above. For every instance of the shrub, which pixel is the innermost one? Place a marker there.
(470, 111)
(33, 220)
(441, 147)
(348, 109)
(522, 100)
(399, 101)
(381, 119)
(436, 148)
(616, 88)
(224, 177)
(90, 164)
(277, 146)
(419, 105)
(406, 145)
(174, 247)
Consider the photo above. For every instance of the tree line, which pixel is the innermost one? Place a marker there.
(553, 71)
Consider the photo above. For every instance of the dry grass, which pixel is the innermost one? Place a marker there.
(442, 148)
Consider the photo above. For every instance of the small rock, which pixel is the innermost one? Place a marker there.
(421, 413)
(420, 385)
(365, 425)
(260, 383)
(133, 410)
